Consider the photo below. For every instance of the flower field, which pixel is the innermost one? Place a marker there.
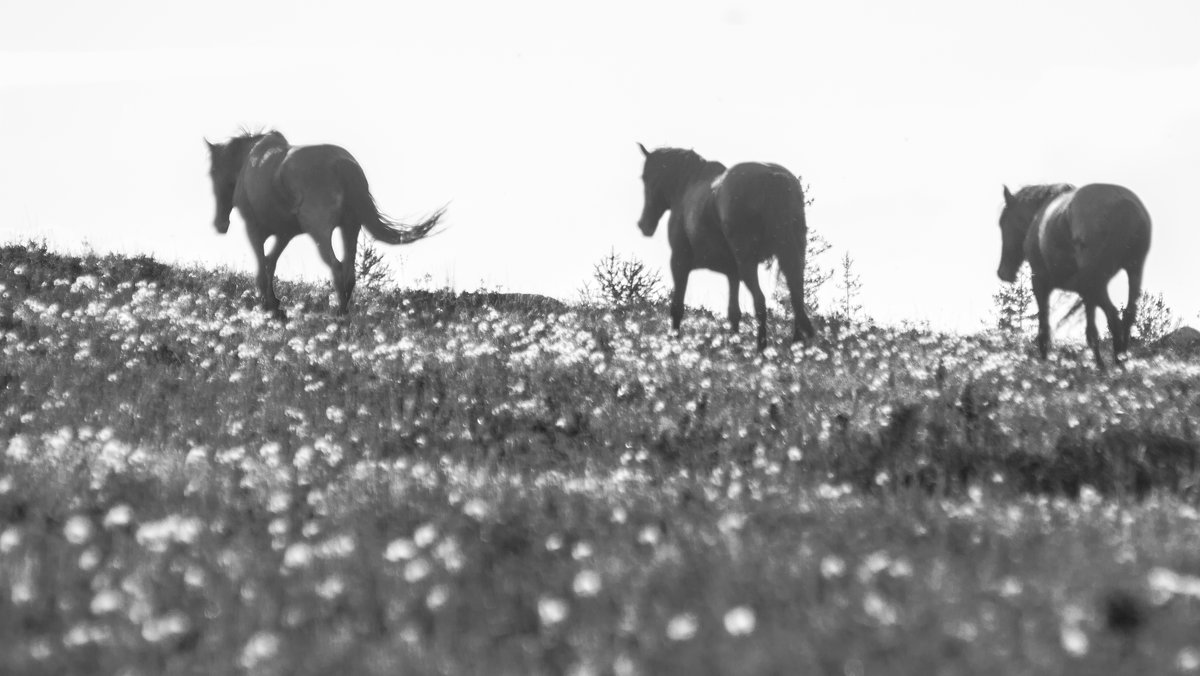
(492, 484)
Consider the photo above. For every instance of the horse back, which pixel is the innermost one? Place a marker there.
(759, 191)
(1086, 236)
(761, 208)
(313, 176)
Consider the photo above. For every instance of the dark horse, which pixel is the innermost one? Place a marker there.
(1077, 239)
(283, 190)
(729, 221)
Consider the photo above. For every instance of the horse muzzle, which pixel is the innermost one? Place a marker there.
(1009, 276)
(647, 228)
(222, 225)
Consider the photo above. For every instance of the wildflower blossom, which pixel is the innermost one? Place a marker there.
(740, 621)
(682, 627)
(118, 516)
(417, 570)
(587, 583)
(157, 535)
(261, 648)
(400, 550)
(552, 610)
(78, 529)
(1188, 659)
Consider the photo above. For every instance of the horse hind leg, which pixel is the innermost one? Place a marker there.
(325, 248)
(1134, 273)
(1092, 333)
(748, 271)
(791, 264)
(1115, 326)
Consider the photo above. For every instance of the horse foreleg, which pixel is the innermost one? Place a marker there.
(735, 307)
(1092, 333)
(679, 273)
(265, 271)
(749, 274)
(267, 266)
(1041, 293)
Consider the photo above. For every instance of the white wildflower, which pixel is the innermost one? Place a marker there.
(587, 583)
(682, 627)
(400, 550)
(78, 529)
(261, 648)
(552, 610)
(740, 621)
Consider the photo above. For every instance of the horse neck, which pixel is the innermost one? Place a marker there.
(249, 143)
(687, 174)
(241, 151)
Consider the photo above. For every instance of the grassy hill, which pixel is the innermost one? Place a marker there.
(496, 484)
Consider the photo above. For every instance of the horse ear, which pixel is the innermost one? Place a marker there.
(644, 151)
(1008, 196)
(211, 146)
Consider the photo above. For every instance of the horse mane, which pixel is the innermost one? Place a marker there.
(1040, 194)
(681, 166)
(234, 150)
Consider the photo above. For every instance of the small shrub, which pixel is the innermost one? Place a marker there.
(374, 273)
(622, 282)
(1014, 305)
(1154, 319)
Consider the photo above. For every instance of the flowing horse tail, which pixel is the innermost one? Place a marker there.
(381, 227)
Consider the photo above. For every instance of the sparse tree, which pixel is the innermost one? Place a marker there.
(1154, 318)
(622, 282)
(849, 288)
(1014, 303)
(374, 273)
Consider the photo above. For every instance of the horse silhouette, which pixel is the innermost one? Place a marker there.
(283, 190)
(729, 221)
(1077, 239)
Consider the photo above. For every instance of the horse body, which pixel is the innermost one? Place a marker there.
(1077, 240)
(283, 190)
(728, 221)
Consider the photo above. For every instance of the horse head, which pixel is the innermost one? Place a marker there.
(656, 201)
(1014, 224)
(223, 170)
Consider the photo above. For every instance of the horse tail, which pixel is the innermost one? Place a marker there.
(380, 225)
(795, 192)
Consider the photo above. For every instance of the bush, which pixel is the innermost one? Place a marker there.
(1154, 319)
(374, 273)
(622, 282)
(1014, 305)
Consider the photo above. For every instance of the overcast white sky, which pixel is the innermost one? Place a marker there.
(906, 118)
